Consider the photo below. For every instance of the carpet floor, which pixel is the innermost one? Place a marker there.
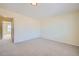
(37, 47)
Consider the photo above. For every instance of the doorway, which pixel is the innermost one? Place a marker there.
(7, 29)
(6, 34)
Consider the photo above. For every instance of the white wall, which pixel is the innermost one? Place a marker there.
(63, 28)
(25, 28)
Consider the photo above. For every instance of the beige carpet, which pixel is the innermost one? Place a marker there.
(37, 47)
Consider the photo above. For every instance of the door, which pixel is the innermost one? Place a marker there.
(7, 28)
(1, 28)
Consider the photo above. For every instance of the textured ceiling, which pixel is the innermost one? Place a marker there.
(41, 10)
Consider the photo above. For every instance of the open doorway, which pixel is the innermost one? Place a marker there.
(6, 34)
(7, 29)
